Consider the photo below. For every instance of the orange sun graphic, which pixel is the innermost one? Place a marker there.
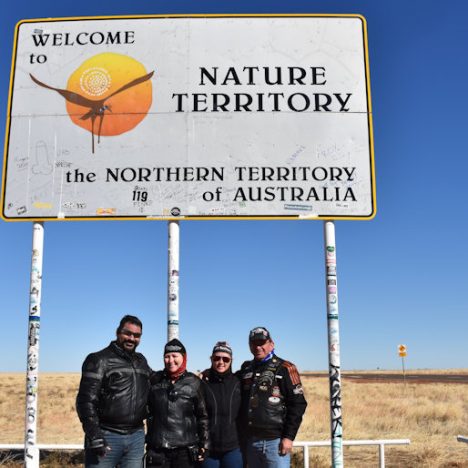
(108, 94)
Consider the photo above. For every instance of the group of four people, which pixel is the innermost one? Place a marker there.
(218, 420)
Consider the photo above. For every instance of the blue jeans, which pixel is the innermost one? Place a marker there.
(265, 454)
(127, 450)
(231, 459)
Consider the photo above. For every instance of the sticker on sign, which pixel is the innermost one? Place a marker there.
(221, 117)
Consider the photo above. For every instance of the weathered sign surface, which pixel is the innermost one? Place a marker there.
(190, 117)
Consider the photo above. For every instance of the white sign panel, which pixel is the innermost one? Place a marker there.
(190, 117)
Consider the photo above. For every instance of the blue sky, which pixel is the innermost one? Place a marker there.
(402, 276)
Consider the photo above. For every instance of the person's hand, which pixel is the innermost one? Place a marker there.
(99, 447)
(285, 446)
(201, 454)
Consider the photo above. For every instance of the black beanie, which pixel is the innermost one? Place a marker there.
(174, 346)
(222, 347)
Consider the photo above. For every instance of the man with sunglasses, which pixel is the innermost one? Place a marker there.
(112, 400)
(273, 404)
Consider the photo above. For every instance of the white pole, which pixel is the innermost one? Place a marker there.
(381, 455)
(306, 456)
(173, 281)
(333, 345)
(403, 366)
(31, 451)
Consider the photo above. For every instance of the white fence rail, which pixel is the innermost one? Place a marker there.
(326, 443)
(304, 444)
(43, 446)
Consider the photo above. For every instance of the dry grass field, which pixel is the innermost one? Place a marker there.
(431, 415)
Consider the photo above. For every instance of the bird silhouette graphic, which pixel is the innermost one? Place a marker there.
(97, 107)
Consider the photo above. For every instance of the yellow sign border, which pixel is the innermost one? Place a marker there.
(195, 218)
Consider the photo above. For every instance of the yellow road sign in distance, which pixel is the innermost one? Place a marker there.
(402, 350)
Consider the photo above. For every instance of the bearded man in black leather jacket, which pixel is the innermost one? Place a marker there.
(112, 400)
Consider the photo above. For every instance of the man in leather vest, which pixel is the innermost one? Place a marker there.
(272, 404)
(112, 400)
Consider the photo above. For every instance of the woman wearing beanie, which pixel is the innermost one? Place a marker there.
(178, 422)
(223, 397)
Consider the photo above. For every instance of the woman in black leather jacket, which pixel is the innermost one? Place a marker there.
(223, 398)
(178, 423)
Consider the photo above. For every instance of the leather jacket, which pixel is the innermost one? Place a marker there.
(223, 399)
(272, 399)
(113, 391)
(178, 416)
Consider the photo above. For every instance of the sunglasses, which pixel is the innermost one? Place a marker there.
(221, 358)
(130, 333)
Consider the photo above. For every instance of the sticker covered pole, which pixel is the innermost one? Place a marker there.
(173, 281)
(31, 451)
(333, 345)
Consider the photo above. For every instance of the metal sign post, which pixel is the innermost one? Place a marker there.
(173, 281)
(333, 345)
(31, 451)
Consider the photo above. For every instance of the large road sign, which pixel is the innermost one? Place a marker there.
(190, 117)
